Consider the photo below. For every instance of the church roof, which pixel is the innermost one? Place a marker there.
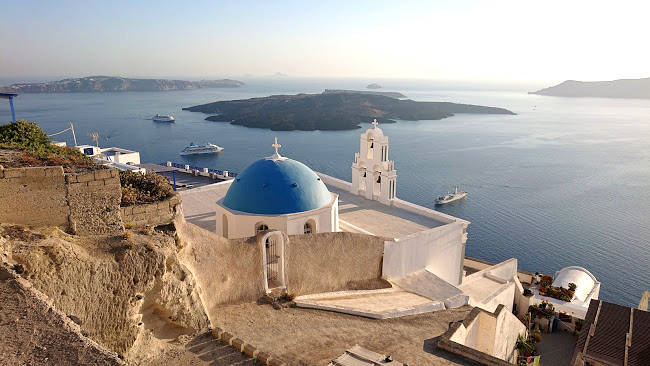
(584, 280)
(276, 185)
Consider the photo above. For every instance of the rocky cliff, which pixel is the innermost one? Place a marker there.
(624, 88)
(93, 84)
(330, 111)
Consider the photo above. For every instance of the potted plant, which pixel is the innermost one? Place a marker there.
(528, 293)
(525, 346)
(578, 324)
(572, 289)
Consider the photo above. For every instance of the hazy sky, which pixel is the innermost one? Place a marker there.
(517, 40)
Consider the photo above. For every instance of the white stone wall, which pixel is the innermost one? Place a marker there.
(493, 333)
(440, 250)
(242, 225)
(374, 164)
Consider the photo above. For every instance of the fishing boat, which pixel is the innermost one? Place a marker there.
(163, 118)
(208, 148)
(451, 196)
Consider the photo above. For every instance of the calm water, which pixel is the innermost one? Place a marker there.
(564, 182)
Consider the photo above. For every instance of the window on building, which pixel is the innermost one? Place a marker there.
(308, 228)
(261, 227)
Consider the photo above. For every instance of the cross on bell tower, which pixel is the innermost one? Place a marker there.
(373, 175)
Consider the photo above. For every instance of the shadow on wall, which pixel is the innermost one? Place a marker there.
(334, 262)
(230, 271)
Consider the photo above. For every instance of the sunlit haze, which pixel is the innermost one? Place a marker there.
(445, 40)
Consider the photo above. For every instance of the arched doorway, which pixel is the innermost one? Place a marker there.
(272, 244)
(224, 226)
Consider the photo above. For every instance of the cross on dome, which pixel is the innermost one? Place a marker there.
(375, 123)
(276, 146)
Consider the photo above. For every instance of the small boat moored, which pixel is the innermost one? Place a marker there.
(451, 197)
(163, 118)
(201, 149)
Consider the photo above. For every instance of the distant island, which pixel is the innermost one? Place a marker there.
(98, 84)
(386, 94)
(623, 88)
(373, 86)
(330, 111)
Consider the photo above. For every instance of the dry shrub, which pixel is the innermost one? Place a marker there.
(143, 188)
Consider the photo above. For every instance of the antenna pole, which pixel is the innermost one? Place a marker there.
(74, 137)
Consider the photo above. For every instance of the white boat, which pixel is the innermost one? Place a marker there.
(201, 149)
(163, 118)
(451, 197)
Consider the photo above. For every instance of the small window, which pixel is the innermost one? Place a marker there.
(379, 179)
(308, 229)
(261, 227)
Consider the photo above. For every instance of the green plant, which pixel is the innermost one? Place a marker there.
(525, 346)
(579, 323)
(536, 336)
(143, 188)
(23, 135)
(572, 286)
(528, 293)
(546, 281)
(37, 149)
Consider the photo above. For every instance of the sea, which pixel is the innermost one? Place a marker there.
(565, 181)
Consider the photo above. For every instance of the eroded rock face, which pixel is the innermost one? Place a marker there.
(116, 287)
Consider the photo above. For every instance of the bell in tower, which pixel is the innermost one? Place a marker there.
(371, 164)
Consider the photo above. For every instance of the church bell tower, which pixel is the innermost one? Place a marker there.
(373, 175)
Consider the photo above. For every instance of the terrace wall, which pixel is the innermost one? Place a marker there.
(151, 214)
(338, 261)
(34, 197)
(86, 203)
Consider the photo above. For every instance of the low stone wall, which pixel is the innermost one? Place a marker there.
(86, 203)
(94, 201)
(151, 214)
(249, 350)
(34, 197)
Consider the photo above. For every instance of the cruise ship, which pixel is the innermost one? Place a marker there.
(163, 118)
(451, 197)
(201, 149)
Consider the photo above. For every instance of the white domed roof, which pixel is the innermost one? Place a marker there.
(584, 280)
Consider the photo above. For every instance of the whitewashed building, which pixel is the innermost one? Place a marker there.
(276, 193)
(373, 175)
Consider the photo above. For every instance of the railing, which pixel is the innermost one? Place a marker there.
(192, 167)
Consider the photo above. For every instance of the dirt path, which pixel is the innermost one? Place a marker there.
(201, 350)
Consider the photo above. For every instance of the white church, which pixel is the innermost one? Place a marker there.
(283, 194)
(423, 252)
(279, 193)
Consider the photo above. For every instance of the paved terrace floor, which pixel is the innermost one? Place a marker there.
(200, 204)
(379, 219)
(184, 181)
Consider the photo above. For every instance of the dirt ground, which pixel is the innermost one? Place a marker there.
(31, 333)
(313, 337)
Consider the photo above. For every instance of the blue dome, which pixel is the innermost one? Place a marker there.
(276, 186)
